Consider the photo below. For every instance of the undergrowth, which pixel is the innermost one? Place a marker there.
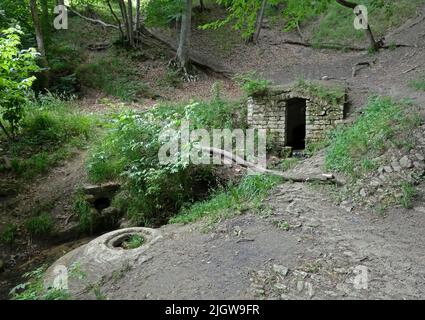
(152, 190)
(51, 131)
(229, 201)
(383, 124)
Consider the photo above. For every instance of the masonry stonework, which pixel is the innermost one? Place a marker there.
(324, 109)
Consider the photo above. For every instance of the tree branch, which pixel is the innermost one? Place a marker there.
(106, 25)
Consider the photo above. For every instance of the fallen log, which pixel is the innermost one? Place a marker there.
(324, 178)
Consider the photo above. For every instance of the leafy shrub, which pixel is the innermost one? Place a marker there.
(130, 152)
(41, 225)
(33, 288)
(16, 67)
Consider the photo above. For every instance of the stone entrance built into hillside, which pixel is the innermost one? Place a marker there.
(298, 114)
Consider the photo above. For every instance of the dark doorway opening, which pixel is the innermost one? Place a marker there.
(295, 123)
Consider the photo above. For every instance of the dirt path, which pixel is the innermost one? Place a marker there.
(318, 257)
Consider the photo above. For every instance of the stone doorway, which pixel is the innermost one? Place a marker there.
(296, 123)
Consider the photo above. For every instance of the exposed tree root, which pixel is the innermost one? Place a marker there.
(187, 75)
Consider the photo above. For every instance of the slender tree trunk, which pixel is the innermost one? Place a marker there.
(125, 18)
(202, 5)
(40, 42)
(259, 23)
(116, 18)
(374, 45)
(130, 23)
(185, 34)
(45, 24)
(138, 15)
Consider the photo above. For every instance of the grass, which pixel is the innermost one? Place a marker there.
(418, 84)
(252, 83)
(51, 131)
(41, 225)
(336, 25)
(112, 74)
(133, 242)
(83, 211)
(230, 201)
(383, 124)
(408, 194)
(333, 94)
(9, 234)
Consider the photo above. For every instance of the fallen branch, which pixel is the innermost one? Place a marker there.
(335, 46)
(325, 178)
(409, 70)
(362, 65)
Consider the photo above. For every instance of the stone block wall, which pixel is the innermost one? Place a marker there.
(325, 104)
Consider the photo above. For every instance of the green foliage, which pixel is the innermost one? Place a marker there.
(9, 234)
(333, 94)
(33, 288)
(298, 11)
(383, 123)
(251, 83)
(15, 12)
(408, 194)
(233, 200)
(160, 13)
(41, 225)
(83, 211)
(133, 242)
(16, 67)
(242, 14)
(335, 25)
(114, 76)
(50, 130)
(130, 152)
(288, 163)
(418, 84)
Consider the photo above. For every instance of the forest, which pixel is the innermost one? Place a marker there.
(94, 94)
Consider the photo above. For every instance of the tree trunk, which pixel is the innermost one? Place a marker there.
(44, 78)
(125, 18)
(202, 5)
(374, 45)
(130, 23)
(45, 24)
(138, 15)
(185, 34)
(116, 18)
(259, 23)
